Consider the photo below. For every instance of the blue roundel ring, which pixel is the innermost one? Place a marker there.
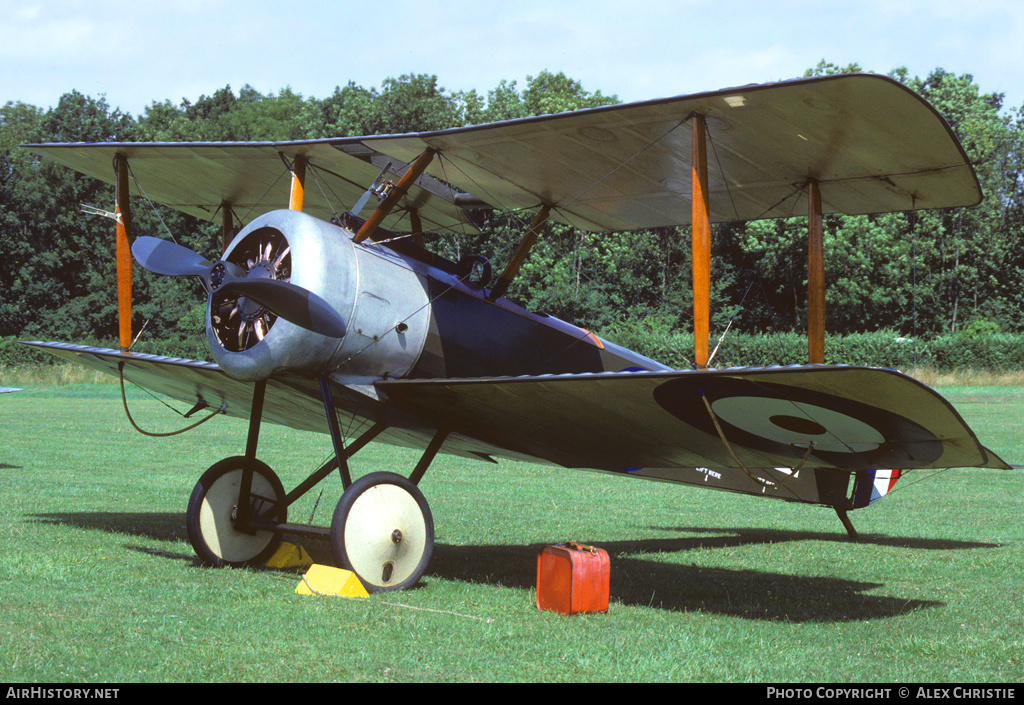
(785, 420)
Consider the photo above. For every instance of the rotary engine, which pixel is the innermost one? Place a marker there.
(379, 296)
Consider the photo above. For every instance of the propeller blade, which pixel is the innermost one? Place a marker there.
(166, 257)
(292, 303)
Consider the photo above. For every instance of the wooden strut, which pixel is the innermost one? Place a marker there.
(123, 214)
(298, 188)
(512, 268)
(227, 226)
(401, 188)
(815, 277)
(700, 224)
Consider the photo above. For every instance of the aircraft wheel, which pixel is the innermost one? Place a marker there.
(212, 508)
(383, 531)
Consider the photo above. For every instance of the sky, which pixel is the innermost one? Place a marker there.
(140, 52)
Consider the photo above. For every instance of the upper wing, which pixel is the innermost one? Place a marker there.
(200, 178)
(852, 418)
(873, 145)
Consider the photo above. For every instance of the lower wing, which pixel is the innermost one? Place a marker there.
(853, 419)
(850, 418)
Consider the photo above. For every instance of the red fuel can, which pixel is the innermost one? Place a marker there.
(573, 578)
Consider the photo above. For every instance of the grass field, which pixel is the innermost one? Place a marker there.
(98, 583)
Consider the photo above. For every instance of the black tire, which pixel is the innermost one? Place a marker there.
(383, 532)
(211, 510)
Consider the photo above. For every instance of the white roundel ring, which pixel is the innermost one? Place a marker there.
(785, 420)
(798, 424)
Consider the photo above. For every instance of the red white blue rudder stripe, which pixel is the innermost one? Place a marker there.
(871, 486)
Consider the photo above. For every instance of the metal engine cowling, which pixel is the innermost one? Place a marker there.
(382, 300)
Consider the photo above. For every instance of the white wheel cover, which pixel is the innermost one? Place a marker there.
(215, 523)
(371, 522)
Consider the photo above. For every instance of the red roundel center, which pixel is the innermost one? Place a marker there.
(798, 424)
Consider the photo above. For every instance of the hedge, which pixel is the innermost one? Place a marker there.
(999, 352)
(995, 352)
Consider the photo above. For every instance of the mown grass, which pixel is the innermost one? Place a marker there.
(99, 584)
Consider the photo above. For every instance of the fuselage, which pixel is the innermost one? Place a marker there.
(408, 312)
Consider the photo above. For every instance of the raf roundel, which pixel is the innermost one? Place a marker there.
(786, 421)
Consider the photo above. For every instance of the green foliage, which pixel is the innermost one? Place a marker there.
(827, 68)
(549, 93)
(951, 352)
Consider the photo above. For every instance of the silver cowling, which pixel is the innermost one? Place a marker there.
(381, 298)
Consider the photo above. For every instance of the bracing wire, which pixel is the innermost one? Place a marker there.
(152, 205)
(721, 170)
(152, 434)
(622, 164)
(561, 208)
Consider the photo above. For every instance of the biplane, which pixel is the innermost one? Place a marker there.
(319, 318)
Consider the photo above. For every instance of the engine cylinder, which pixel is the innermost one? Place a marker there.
(382, 300)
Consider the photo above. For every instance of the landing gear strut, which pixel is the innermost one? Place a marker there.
(382, 529)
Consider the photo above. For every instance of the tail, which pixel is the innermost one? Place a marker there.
(872, 486)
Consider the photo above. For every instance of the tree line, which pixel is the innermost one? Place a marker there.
(922, 274)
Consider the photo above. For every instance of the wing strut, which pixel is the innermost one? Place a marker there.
(400, 189)
(512, 268)
(700, 219)
(815, 277)
(227, 226)
(123, 217)
(298, 189)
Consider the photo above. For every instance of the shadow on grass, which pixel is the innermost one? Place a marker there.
(638, 577)
(161, 526)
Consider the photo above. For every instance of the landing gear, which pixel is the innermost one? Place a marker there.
(382, 529)
(214, 510)
(383, 532)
